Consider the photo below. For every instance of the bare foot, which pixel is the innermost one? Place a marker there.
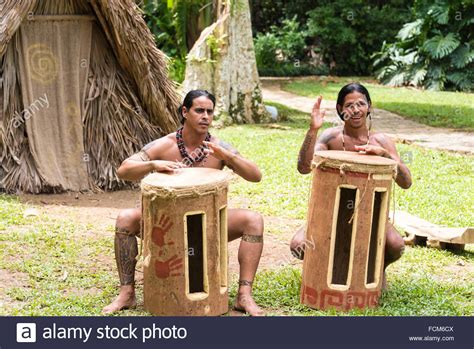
(125, 300)
(246, 304)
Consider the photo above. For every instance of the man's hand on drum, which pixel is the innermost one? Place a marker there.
(166, 166)
(317, 115)
(372, 150)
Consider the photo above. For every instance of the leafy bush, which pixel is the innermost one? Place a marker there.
(176, 25)
(268, 13)
(282, 51)
(163, 24)
(265, 46)
(293, 69)
(435, 51)
(349, 31)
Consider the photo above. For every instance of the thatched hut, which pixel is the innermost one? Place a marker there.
(82, 87)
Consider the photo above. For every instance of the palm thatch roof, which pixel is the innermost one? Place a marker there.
(129, 98)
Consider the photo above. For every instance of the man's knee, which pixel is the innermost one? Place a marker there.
(129, 220)
(395, 247)
(297, 244)
(253, 223)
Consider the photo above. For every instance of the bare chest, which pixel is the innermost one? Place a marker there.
(348, 143)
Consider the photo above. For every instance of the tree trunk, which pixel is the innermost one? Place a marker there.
(222, 61)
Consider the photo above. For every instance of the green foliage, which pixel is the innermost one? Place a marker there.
(292, 69)
(348, 31)
(176, 25)
(265, 46)
(163, 23)
(11, 212)
(435, 51)
(282, 51)
(287, 42)
(268, 13)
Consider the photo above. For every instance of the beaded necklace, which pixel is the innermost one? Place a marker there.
(182, 149)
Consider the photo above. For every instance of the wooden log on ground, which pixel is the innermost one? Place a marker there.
(422, 232)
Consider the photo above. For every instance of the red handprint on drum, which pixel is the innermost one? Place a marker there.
(160, 230)
(168, 268)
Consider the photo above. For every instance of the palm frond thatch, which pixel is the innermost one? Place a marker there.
(137, 54)
(129, 98)
(13, 13)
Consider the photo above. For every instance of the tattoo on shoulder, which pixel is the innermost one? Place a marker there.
(228, 147)
(383, 140)
(326, 136)
(149, 145)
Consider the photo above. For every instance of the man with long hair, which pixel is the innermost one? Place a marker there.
(191, 146)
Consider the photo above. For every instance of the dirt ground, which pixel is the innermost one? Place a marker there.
(98, 212)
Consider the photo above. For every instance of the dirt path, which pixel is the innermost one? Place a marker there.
(399, 128)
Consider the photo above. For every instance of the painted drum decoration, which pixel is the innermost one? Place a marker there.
(347, 223)
(185, 242)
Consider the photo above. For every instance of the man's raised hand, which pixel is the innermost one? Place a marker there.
(317, 115)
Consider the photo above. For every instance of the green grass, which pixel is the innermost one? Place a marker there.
(58, 268)
(439, 109)
(418, 286)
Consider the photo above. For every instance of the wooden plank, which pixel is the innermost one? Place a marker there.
(416, 226)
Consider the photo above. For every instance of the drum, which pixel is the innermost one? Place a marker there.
(345, 237)
(184, 224)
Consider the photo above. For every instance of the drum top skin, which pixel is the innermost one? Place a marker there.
(353, 161)
(187, 179)
(354, 157)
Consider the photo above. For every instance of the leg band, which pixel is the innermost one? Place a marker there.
(252, 238)
(245, 283)
(126, 251)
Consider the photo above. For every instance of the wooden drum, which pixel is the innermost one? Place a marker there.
(347, 223)
(185, 242)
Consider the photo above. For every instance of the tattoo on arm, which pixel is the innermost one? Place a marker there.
(140, 156)
(304, 158)
(228, 147)
(304, 149)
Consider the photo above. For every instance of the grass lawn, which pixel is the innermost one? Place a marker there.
(56, 265)
(439, 109)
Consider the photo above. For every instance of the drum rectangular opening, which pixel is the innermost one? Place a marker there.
(340, 265)
(377, 231)
(196, 255)
(223, 248)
